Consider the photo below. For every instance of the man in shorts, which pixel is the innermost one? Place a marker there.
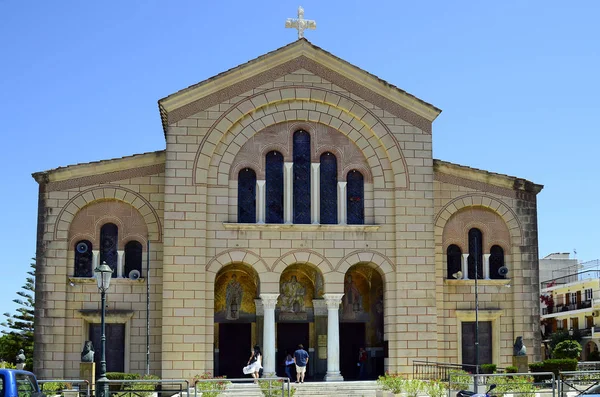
(301, 360)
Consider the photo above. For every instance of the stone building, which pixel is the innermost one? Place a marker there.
(296, 201)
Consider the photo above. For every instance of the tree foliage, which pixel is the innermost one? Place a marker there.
(567, 349)
(19, 326)
(562, 335)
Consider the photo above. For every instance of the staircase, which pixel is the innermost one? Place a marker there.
(310, 389)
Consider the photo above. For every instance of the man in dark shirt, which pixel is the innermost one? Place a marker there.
(301, 360)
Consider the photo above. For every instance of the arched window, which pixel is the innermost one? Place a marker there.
(475, 253)
(274, 188)
(301, 177)
(109, 237)
(355, 192)
(328, 189)
(133, 258)
(83, 259)
(247, 196)
(496, 261)
(454, 259)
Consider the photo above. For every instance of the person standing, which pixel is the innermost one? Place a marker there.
(362, 363)
(289, 363)
(254, 363)
(301, 360)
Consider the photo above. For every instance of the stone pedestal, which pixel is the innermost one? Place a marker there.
(522, 363)
(21, 366)
(87, 371)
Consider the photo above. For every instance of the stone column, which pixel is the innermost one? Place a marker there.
(120, 267)
(269, 302)
(465, 267)
(333, 337)
(95, 259)
(343, 211)
(486, 266)
(260, 201)
(315, 186)
(288, 208)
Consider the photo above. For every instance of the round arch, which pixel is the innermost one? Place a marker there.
(108, 192)
(302, 256)
(237, 120)
(480, 200)
(235, 255)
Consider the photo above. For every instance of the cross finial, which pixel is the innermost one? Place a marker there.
(300, 23)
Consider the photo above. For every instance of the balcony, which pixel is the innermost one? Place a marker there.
(567, 308)
(561, 281)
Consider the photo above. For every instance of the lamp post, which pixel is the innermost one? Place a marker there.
(103, 273)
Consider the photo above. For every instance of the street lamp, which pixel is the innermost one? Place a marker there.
(103, 273)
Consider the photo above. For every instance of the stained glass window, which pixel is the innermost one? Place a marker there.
(496, 261)
(109, 234)
(355, 198)
(133, 257)
(301, 177)
(328, 189)
(454, 258)
(83, 259)
(475, 253)
(247, 196)
(274, 188)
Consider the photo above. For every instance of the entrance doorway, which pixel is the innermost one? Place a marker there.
(468, 343)
(352, 338)
(115, 346)
(235, 344)
(289, 336)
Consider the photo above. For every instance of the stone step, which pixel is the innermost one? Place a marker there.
(308, 389)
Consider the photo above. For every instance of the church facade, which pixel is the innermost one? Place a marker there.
(297, 201)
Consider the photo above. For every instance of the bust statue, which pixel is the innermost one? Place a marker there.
(20, 359)
(87, 355)
(519, 348)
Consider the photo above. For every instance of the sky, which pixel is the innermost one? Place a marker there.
(517, 81)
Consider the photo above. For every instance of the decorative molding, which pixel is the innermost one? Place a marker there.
(300, 227)
(333, 301)
(93, 316)
(320, 307)
(269, 301)
(119, 280)
(482, 282)
(302, 256)
(484, 187)
(105, 178)
(232, 89)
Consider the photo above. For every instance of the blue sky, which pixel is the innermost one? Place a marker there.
(517, 82)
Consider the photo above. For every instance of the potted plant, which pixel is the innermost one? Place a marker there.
(392, 384)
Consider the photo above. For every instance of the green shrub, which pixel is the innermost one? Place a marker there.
(211, 389)
(521, 386)
(412, 387)
(139, 389)
(511, 369)
(52, 388)
(115, 387)
(488, 368)
(552, 365)
(392, 382)
(460, 380)
(272, 388)
(7, 365)
(435, 388)
(567, 349)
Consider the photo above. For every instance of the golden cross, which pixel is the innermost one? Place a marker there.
(300, 23)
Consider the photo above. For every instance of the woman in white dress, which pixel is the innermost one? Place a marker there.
(254, 363)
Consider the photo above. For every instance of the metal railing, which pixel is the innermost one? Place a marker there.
(75, 383)
(579, 382)
(268, 389)
(134, 387)
(567, 308)
(586, 275)
(518, 384)
(432, 370)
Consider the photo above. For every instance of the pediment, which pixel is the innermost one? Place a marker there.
(300, 54)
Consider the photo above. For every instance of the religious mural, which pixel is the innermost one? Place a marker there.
(299, 285)
(363, 301)
(236, 287)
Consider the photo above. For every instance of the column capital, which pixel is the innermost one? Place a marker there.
(487, 255)
(333, 300)
(269, 301)
(315, 166)
(288, 164)
(259, 307)
(261, 182)
(342, 184)
(320, 307)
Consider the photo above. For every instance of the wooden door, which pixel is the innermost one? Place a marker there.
(115, 346)
(485, 342)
